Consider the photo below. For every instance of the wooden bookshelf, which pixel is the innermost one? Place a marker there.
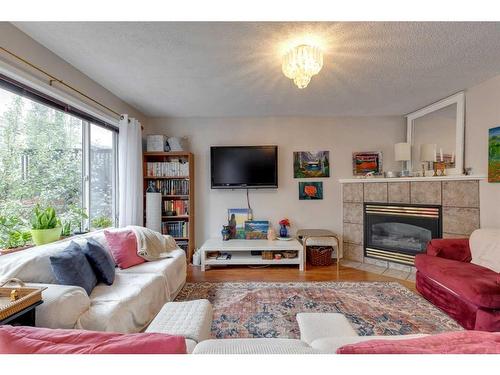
(158, 157)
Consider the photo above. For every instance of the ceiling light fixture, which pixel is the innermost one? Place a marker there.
(301, 63)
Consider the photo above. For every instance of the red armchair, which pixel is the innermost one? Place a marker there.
(467, 292)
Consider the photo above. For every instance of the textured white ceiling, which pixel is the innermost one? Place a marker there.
(233, 69)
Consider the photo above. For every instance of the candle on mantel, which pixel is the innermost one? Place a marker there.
(453, 157)
(441, 154)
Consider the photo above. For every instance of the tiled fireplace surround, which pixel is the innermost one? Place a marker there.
(460, 210)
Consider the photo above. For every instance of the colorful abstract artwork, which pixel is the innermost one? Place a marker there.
(256, 230)
(311, 164)
(236, 218)
(310, 190)
(366, 162)
(494, 155)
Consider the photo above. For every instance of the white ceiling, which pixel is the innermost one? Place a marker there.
(233, 69)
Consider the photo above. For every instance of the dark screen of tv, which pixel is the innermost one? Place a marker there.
(244, 167)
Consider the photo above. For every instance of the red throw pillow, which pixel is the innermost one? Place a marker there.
(123, 245)
(33, 340)
(461, 342)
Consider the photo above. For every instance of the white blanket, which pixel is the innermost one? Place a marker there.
(485, 248)
(152, 245)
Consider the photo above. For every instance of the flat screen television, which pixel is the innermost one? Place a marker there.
(244, 167)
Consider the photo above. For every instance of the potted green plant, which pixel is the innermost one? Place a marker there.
(72, 221)
(12, 233)
(101, 222)
(45, 226)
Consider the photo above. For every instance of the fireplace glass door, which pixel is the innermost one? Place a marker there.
(400, 232)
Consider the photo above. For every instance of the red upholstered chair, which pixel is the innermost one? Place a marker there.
(469, 293)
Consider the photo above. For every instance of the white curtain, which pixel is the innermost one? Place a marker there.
(130, 172)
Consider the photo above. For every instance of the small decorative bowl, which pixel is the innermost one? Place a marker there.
(392, 174)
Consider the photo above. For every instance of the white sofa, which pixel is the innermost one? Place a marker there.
(136, 296)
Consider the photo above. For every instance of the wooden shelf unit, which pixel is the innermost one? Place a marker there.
(164, 157)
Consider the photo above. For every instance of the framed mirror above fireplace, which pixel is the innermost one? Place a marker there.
(440, 127)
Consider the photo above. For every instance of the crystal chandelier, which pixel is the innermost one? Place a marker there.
(301, 63)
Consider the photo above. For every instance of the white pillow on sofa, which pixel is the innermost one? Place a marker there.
(485, 248)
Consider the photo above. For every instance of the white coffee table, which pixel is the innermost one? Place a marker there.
(240, 251)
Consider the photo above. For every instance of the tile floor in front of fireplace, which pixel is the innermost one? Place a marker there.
(385, 271)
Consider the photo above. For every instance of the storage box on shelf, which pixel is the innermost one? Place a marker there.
(172, 174)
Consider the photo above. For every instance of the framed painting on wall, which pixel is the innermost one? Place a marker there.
(494, 154)
(311, 164)
(310, 190)
(366, 162)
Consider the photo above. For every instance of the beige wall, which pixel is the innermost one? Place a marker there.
(341, 136)
(482, 113)
(21, 44)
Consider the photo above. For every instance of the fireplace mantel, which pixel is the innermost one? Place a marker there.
(410, 179)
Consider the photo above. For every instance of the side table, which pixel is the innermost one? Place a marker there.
(25, 317)
(304, 234)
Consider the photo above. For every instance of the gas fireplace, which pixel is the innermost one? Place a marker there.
(397, 233)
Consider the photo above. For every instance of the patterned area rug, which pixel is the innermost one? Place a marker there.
(255, 309)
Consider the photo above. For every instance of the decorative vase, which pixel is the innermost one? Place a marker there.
(283, 231)
(226, 232)
(44, 236)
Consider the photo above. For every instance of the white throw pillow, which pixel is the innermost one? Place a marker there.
(485, 248)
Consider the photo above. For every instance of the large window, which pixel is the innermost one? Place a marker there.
(102, 176)
(52, 157)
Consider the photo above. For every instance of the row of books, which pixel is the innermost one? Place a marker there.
(180, 207)
(171, 187)
(173, 168)
(175, 228)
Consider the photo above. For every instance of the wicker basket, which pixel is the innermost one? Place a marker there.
(26, 297)
(320, 255)
(267, 255)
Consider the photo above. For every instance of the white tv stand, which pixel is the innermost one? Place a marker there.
(240, 251)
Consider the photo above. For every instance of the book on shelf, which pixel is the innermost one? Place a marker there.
(177, 229)
(171, 187)
(179, 207)
(172, 168)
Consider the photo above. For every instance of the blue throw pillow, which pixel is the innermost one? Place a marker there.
(100, 260)
(71, 267)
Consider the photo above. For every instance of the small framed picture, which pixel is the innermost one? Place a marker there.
(310, 190)
(308, 164)
(366, 162)
(494, 154)
(256, 229)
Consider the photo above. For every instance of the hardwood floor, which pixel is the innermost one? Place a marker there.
(287, 273)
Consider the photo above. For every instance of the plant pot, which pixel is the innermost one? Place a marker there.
(43, 236)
